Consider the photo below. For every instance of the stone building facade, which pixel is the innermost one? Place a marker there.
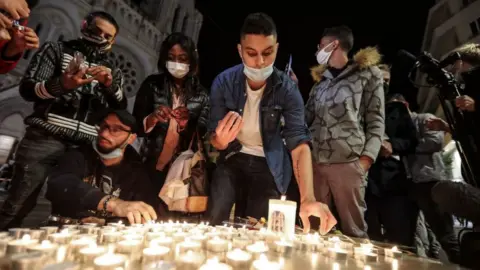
(143, 26)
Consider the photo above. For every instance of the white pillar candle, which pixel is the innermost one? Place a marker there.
(264, 264)
(190, 261)
(281, 216)
(155, 254)
(214, 264)
(110, 261)
(239, 259)
(217, 245)
(20, 245)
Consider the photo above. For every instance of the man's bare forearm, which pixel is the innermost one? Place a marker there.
(303, 169)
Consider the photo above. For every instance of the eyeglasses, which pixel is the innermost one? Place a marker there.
(113, 130)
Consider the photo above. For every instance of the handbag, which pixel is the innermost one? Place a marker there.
(185, 188)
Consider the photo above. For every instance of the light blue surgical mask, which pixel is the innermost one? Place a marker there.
(116, 153)
(258, 74)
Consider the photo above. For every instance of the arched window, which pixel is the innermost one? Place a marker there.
(176, 19)
(38, 29)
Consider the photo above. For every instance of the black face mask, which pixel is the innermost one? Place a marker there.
(386, 88)
(92, 39)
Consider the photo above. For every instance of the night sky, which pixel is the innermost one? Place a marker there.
(390, 25)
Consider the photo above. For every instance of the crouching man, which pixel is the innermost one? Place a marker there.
(105, 179)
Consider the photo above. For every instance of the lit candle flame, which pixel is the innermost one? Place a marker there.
(26, 238)
(283, 198)
(394, 249)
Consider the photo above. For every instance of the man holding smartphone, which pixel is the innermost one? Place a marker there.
(68, 98)
(247, 102)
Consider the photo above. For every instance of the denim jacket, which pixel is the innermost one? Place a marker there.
(281, 98)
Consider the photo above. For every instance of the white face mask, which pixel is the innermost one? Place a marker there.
(116, 153)
(323, 56)
(258, 75)
(178, 70)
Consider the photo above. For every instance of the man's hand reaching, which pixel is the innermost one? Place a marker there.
(136, 212)
(320, 210)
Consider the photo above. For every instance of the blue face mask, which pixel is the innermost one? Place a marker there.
(116, 153)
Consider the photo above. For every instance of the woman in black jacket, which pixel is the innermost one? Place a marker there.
(171, 106)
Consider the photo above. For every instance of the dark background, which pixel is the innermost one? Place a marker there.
(389, 25)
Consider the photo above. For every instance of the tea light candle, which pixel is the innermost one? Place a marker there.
(18, 233)
(63, 266)
(111, 237)
(110, 261)
(154, 254)
(365, 253)
(89, 229)
(78, 244)
(263, 263)
(283, 247)
(257, 249)
(163, 241)
(228, 234)
(37, 234)
(153, 235)
(202, 239)
(70, 227)
(217, 245)
(27, 261)
(179, 236)
(20, 245)
(46, 247)
(62, 238)
(213, 264)
(190, 261)
(393, 252)
(241, 242)
(4, 234)
(131, 248)
(118, 225)
(281, 216)
(3, 245)
(189, 245)
(309, 243)
(337, 253)
(88, 254)
(213, 234)
(49, 230)
(239, 259)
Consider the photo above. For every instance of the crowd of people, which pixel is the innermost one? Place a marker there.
(352, 153)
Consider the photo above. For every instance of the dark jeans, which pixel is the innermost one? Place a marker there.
(241, 176)
(36, 155)
(398, 215)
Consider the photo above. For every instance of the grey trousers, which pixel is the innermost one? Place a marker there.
(343, 185)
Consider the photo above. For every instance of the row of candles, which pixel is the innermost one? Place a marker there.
(171, 244)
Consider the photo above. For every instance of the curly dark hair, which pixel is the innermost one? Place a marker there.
(188, 45)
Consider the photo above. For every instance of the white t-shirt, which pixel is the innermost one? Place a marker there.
(250, 136)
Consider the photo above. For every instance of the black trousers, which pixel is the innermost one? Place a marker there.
(441, 222)
(245, 179)
(36, 155)
(397, 214)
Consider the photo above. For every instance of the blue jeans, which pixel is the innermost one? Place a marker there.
(36, 155)
(242, 179)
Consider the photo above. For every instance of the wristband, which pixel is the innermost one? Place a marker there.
(109, 197)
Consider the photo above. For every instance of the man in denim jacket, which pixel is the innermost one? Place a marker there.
(247, 102)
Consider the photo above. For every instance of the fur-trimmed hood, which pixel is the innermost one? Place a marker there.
(364, 58)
